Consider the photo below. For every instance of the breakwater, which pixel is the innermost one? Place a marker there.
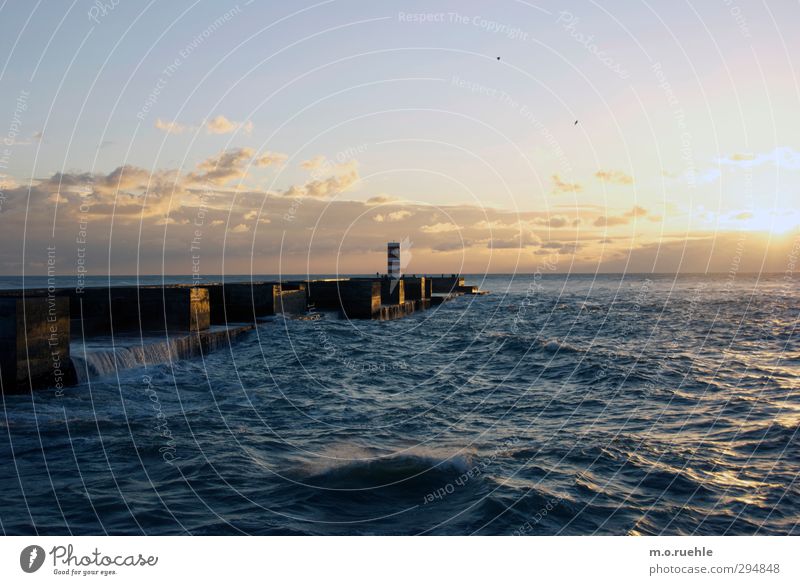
(56, 337)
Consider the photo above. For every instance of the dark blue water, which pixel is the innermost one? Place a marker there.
(566, 405)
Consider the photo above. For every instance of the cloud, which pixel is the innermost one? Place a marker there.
(217, 125)
(231, 164)
(560, 186)
(496, 224)
(637, 211)
(399, 215)
(609, 221)
(223, 167)
(439, 228)
(345, 176)
(270, 158)
(566, 247)
(782, 156)
(625, 218)
(222, 125)
(451, 245)
(170, 127)
(523, 239)
(554, 221)
(314, 163)
(145, 219)
(703, 253)
(617, 177)
(7, 183)
(166, 221)
(393, 216)
(381, 199)
(703, 177)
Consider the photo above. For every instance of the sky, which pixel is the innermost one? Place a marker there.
(258, 137)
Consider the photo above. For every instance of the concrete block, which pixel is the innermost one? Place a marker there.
(446, 284)
(355, 298)
(149, 308)
(392, 292)
(34, 343)
(414, 288)
(291, 302)
(242, 301)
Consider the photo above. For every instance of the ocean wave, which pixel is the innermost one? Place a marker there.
(622, 420)
(391, 470)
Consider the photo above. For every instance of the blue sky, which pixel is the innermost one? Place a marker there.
(688, 132)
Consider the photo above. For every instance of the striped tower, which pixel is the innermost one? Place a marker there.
(393, 265)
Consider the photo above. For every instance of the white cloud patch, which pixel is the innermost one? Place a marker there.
(269, 159)
(314, 163)
(784, 157)
(439, 228)
(617, 177)
(344, 176)
(170, 127)
(562, 186)
(392, 216)
(222, 125)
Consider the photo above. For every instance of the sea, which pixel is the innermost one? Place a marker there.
(578, 404)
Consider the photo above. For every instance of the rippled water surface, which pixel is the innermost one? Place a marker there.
(562, 405)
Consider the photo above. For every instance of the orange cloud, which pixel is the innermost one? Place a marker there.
(625, 218)
(170, 127)
(561, 186)
(222, 125)
(617, 177)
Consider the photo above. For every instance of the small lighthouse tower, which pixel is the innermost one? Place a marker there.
(393, 260)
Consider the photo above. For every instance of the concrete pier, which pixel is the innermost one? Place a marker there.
(391, 312)
(446, 284)
(242, 302)
(355, 298)
(34, 343)
(99, 311)
(470, 290)
(415, 288)
(392, 291)
(291, 301)
(182, 309)
(35, 325)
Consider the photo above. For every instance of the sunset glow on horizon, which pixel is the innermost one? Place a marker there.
(615, 147)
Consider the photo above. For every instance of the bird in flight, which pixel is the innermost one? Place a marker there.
(498, 58)
(576, 123)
